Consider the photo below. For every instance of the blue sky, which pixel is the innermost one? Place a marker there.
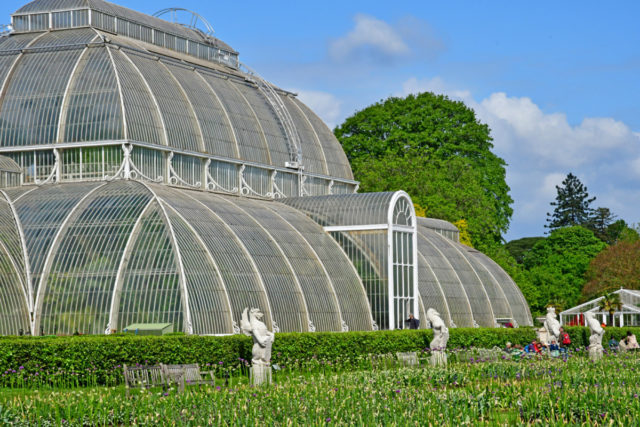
(557, 82)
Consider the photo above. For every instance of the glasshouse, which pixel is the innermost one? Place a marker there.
(625, 304)
(147, 176)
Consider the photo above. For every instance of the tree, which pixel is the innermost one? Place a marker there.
(436, 150)
(520, 247)
(610, 303)
(571, 205)
(557, 265)
(600, 221)
(616, 267)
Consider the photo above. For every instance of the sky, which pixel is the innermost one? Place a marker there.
(558, 83)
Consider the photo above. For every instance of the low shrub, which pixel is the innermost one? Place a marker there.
(93, 360)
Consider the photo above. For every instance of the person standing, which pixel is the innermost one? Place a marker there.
(565, 340)
(412, 322)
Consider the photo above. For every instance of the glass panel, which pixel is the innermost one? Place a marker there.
(33, 97)
(212, 118)
(250, 140)
(337, 162)
(21, 23)
(94, 112)
(352, 298)
(188, 169)
(367, 252)
(269, 124)
(146, 34)
(345, 209)
(225, 176)
(151, 284)
(150, 163)
(284, 295)
(80, 18)
(83, 272)
(312, 153)
(207, 297)
(258, 179)
(39, 21)
(143, 119)
(317, 290)
(180, 123)
(241, 279)
(442, 276)
(61, 19)
(41, 212)
(14, 315)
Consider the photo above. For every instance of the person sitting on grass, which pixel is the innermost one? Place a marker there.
(554, 348)
(613, 344)
(534, 347)
(629, 342)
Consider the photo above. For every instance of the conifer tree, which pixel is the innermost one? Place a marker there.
(572, 205)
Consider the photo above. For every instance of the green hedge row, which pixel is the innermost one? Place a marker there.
(101, 357)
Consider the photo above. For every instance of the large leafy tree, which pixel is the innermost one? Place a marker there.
(572, 205)
(436, 150)
(520, 247)
(616, 267)
(557, 266)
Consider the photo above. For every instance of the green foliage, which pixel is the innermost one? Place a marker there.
(603, 224)
(557, 264)
(437, 151)
(572, 205)
(97, 359)
(520, 247)
(616, 267)
(610, 303)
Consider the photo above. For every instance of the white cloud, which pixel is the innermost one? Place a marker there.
(635, 166)
(370, 37)
(548, 188)
(541, 148)
(518, 123)
(324, 104)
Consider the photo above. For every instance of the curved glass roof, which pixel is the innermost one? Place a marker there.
(345, 209)
(89, 257)
(38, 6)
(83, 86)
(465, 286)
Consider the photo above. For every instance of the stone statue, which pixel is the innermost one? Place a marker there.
(253, 326)
(595, 340)
(552, 326)
(438, 344)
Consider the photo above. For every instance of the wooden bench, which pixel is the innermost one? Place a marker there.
(142, 376)
(190, 374)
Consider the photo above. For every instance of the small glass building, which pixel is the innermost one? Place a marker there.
(147, 176)
(627, 315)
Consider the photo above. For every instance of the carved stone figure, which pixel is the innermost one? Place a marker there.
(253, 326)
(552, 326)
(595, 339)
(438, 344)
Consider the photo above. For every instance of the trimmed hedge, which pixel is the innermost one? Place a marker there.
(101, 357)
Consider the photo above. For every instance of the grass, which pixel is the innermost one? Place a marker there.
(470, 391)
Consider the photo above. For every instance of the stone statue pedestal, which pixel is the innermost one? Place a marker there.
(595, 352)
(260, 373)
(438, 358)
